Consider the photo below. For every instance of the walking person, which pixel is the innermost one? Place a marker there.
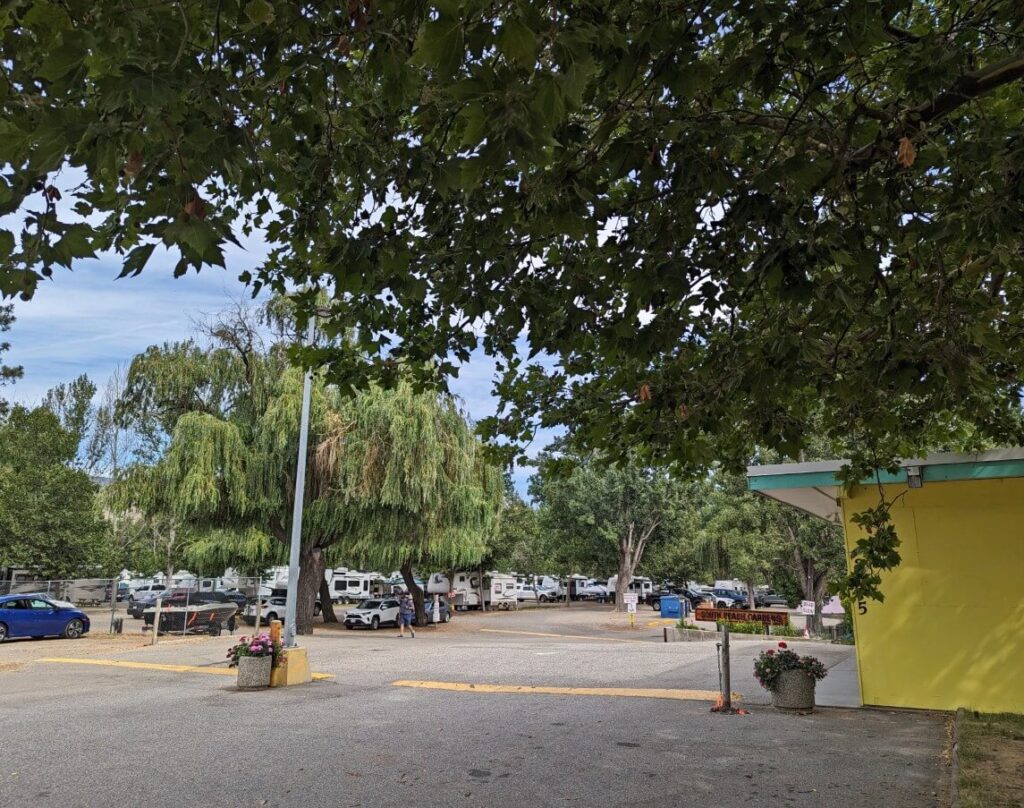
(406, 613)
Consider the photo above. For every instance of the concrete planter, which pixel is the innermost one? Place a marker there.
(254, 672)
(795, 691)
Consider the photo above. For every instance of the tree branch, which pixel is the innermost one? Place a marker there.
(966, 88)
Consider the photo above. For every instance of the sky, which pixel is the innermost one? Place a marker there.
(89, 321)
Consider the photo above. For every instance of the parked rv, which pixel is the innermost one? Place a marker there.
(499, 590)
(642, 586)
(352, 586)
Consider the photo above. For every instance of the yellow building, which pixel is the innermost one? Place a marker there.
(950, 632)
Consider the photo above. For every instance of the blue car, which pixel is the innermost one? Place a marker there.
(39, 616)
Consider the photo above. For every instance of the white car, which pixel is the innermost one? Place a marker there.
(144, 591)
(526, 592)
(373, 614)
(274, 608)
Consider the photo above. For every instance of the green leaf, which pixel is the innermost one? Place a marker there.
(136, 260)
(259, 12)
(440, 44)
(518, 43)
(63, 60)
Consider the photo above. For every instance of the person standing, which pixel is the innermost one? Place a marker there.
(406, 613)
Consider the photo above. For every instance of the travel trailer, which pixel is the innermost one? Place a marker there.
(640, 584)
(499, 590)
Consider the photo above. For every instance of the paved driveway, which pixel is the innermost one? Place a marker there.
(91, 735)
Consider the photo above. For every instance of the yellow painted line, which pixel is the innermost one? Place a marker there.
(615, 692)
(154, 666)
(662, 621)
(560, 636)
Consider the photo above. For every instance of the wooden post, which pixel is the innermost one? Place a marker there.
(275, 630)
(726, 673)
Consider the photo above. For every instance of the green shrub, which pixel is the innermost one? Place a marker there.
(744, 627)
(786, 631)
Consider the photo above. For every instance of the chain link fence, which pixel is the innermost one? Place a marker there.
(190, 605)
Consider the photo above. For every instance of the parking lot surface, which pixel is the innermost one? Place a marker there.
(90, 735)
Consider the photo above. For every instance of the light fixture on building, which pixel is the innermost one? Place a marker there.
(914, 479)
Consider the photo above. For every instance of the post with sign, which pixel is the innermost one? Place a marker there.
(807, 610)
(630, 599)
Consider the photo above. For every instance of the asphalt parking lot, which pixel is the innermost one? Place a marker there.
(121, 732)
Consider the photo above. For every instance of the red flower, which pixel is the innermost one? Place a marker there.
(770, 652)
(783, 645)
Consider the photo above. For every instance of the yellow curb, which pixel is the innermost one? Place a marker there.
(560, 636)
(154, 666)
(615, 692)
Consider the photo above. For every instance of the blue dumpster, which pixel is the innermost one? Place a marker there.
(670, 606)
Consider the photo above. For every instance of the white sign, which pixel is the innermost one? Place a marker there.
(807, 607)
(630, 598)
(631, 608)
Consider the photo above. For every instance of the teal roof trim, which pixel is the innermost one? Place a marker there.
(973, 471)
(931, 473)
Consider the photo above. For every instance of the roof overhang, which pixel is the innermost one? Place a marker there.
(816, 489)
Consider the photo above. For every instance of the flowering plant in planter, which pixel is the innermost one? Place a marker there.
(771, 664)
(258, 646)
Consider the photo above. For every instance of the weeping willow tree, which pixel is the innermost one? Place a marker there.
(394, 477)
(406, 466)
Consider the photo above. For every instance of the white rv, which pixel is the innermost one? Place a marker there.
(351, 586)
(499, 590)
(641, 585)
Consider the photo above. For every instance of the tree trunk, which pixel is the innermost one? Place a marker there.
(568, 589)
(750, 594)
(311, 573)
(480, 586)
(631, 550)
(416, 592)
(326, 603)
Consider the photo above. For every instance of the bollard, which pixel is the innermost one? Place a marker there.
(275, 630)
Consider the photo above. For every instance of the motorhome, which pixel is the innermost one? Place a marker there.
(499, 590)
(641, 585)
(352, 586)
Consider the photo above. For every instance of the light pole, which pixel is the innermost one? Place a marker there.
(300, 491)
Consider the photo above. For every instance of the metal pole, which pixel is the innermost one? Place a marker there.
(259, 605)
(113, 603)
(156, 620)
(300, 490)
(726, 678)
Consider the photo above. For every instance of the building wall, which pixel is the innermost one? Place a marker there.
(950, 632)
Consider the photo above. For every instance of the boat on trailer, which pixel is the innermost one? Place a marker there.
(201, 618)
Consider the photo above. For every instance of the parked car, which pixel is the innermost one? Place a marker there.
(525, 592)
(729, 599)
(769, 598)
(550, 595)
(654, 599)
(272, 608)
(40, 616)
(236, 596)
(145, 591)
(442, 603)
(144, 600)
(373, 614)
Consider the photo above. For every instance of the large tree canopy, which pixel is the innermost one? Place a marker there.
(712, 218)
(715, 217)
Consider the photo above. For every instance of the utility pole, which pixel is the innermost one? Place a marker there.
(300, 491)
